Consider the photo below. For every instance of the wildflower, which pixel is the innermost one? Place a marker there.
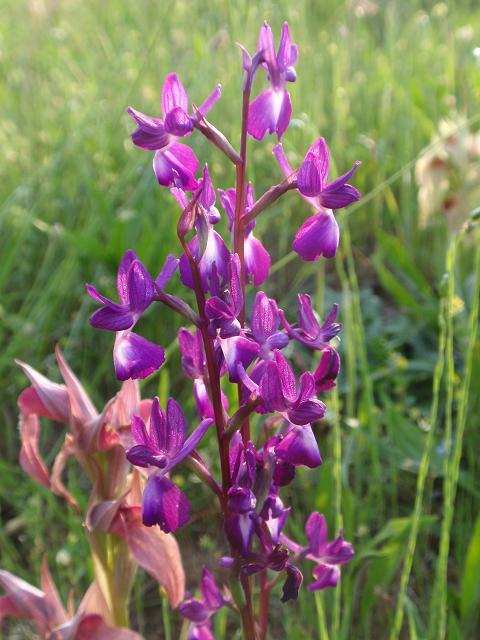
(172, 160)
(319, 235)
(164, 446)
(134, 356)
(279, 392)
(272, 109)
(199, 612)
(328, 556)
(309, 331)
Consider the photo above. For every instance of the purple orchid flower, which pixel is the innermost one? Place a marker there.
(164, 446)
(309, 331)
(278, 389)
(172, 161)
(257, 258)
(328, 556)
(320, 234)
(199, 612)
(272, 109)
(134, 356)
(194, 365)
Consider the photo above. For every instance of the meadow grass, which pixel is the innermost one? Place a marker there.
(400, 440)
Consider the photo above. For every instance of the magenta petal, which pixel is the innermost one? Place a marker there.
(139, 431)
(194, 610)
(211, 594)
(178, 123)
(177, 427)
(282, 160)
(341, 197)
(140, 287)
(307, 411)
(292, 584)
(126, 262)
(270, 111)
(317, 533)
(151, 134)
(238, 350)
(176, 161)
(299, 447)
(325, 576)
(173, 95)
(168, 269)
(318, 236)
(134, 357)
(211, 101)
(158, 438)
(164, 504)
(284, 116)
(112, 319)
(257, 260)
(190, 443)
(313, 174)
(264, 317)
(270, 389)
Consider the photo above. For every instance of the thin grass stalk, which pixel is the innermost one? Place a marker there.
(350, 349)
(421, 479)
(321, 618)
(438, 601)
(454, 467)
(367, 386)
(338, 519)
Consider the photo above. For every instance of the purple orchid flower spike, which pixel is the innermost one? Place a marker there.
(319, 235)
(278, 390)
(309, 331)
(272, 109)
(200, 611)
(164, 446)
(257, 258)
(172, 161)
(133, 356)
(328, 556)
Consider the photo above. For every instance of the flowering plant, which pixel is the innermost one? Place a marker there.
(225, 344)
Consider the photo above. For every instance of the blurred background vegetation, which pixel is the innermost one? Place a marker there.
(394, 83)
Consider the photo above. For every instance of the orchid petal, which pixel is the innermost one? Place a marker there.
(164, 504)
(134, 357)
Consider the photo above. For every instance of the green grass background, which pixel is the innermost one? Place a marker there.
(400, 444)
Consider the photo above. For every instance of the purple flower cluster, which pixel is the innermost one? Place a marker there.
(232, 343)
